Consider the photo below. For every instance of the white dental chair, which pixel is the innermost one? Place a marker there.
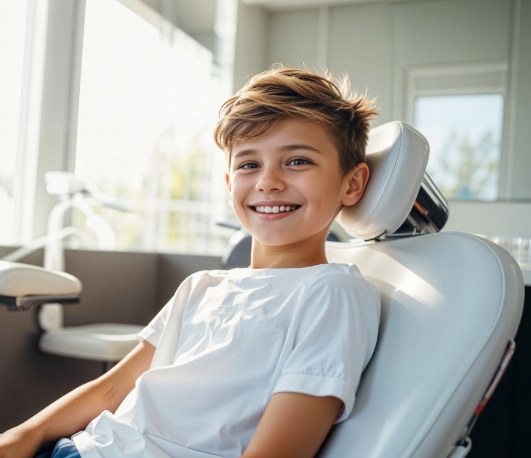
(451, 305)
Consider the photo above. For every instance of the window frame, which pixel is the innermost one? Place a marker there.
(53, 96)
(457, 80)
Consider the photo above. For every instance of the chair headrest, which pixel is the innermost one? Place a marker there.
(397, 156)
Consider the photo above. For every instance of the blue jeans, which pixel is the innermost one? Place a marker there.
(63, 448)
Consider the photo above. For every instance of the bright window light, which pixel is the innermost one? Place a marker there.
(149, 96)
(464, 132)
(12, 39)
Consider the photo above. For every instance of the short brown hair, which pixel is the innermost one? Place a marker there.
(282, 93)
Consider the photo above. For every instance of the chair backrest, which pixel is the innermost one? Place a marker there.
(451, 302)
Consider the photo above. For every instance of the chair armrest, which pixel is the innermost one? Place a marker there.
(24, 285)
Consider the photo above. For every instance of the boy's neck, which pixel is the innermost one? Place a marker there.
(299, 255)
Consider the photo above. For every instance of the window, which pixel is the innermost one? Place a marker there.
(149, 96)
(460, 111)
(12, 43)
(464, 132)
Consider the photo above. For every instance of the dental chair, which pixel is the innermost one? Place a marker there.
(451, 305)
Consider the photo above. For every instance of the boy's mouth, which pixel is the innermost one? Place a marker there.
(275, 208)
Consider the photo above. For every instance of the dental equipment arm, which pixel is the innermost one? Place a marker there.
(75, 193)
(67, 184)
(23, 286)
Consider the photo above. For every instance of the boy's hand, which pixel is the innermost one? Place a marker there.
(17, 444)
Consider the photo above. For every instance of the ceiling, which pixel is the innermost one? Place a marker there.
(200, 14)
(198, 17)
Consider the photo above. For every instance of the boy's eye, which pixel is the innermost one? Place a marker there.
(298, 161)
(248, 165)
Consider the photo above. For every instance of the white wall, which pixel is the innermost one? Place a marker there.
(520, 142)
(251, 43)
(361, 45)
(505, 219)
(376, 44)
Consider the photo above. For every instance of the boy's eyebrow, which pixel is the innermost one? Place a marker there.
(290, 147)
(243, 153)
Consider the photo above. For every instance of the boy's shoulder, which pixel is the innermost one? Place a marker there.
(319, 270)
(325, 276)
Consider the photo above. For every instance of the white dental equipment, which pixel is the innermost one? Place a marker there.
(23, 286)
(73, 193)
(106, 342)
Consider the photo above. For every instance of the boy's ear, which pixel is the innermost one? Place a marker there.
(357, 180)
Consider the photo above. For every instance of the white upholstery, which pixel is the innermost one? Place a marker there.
(397, 156)
(450, 304)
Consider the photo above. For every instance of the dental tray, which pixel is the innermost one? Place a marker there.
(23, 286)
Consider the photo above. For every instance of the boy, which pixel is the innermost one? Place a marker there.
(255, 362)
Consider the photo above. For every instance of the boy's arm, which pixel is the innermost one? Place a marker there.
(72, 412)
(293, 425)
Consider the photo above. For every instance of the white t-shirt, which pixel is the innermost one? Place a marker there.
(225, 343)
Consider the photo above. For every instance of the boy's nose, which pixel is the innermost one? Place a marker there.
(270, 180)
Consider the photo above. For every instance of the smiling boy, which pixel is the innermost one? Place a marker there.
(286, 187)
(253, 362)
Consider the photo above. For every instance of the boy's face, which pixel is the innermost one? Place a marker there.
(286, 185)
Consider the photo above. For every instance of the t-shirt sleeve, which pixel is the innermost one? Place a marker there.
(158, 333)
(152, 332)
(336, 331)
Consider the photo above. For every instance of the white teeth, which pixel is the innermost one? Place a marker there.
(275, 208)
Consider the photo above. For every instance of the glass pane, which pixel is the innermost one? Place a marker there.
(12, 35)
(464, 132)
(148, 102)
